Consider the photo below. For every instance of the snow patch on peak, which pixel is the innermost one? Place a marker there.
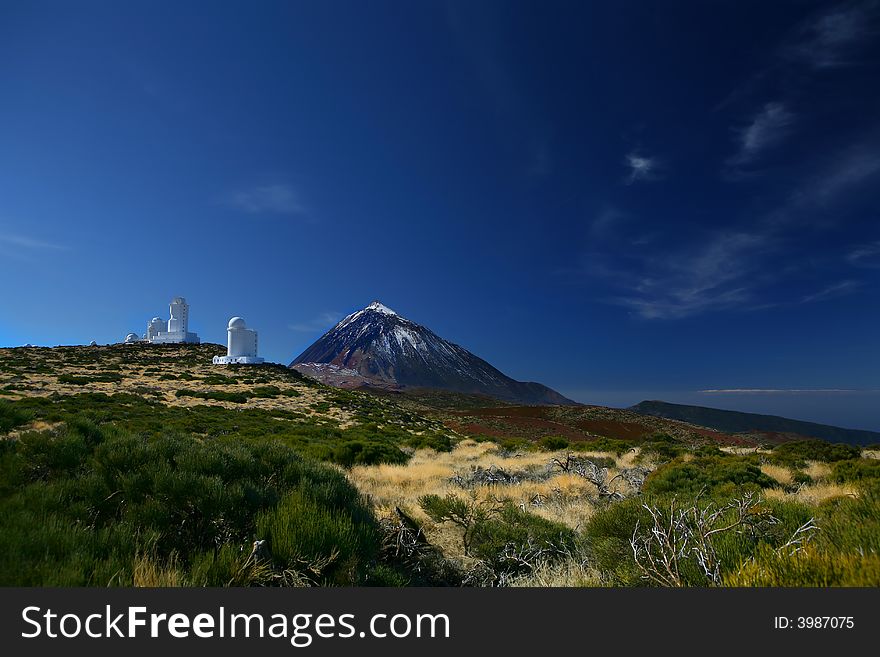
(379, 307)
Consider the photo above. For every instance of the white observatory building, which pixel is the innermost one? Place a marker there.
(177, 328)
(241, 345)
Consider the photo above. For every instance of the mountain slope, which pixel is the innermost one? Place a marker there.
(377, 347)
(737, 422)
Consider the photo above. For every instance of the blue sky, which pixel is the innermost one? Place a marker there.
(618, 199)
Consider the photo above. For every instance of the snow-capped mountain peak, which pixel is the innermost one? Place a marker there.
(387, 350)
(379, 307)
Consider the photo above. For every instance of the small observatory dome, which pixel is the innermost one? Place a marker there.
(157, 319)
(132, 337)
(236, 323)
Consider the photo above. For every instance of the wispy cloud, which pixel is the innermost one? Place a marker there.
(714, 275)
(274, 198)
(832, 291)
(738, 269)
(606, 221)
(641, 168)
(866, 255)
(852, 168)
(321, 322)
(765, 129)
(24, 242)
(781, 391)
(830, 39)
(842, 176)
(14, 246)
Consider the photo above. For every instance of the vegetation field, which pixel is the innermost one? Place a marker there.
(146, 465)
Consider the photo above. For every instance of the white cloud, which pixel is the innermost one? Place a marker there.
(832, 291)
(866, 255)
(321, 322)
(778, 391)
(830, 39)
(21, 241)
(766, 128)
(847, 171)
(641, 167)
(714, 275)
(606, 221)
(275, 198)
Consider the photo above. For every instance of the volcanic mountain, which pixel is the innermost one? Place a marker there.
(376, 347)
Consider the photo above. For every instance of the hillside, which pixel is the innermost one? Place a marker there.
(145, 465)
(760, 426)
(375, 347)
(144, 385)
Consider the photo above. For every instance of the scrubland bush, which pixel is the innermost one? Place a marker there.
(691, 530)
(12, 415)
(856, 470)
(507, 540)
(82, 505)
(795, 454)
(716, 474)
(553, 443)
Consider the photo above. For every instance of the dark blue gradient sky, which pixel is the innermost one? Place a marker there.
(619, 199)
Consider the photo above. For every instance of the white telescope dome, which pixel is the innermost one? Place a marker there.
(236, 322)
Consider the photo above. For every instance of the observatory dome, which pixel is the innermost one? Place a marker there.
(132, 337)
(157, 319)
(236, 322)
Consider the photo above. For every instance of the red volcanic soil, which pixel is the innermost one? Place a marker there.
(530, 422)
(620, 430)
(580, 424)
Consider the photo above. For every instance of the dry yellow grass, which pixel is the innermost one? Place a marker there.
(149, 573)
(628, 459)
(813, 494)
(563, 497)
(817, 470)
(569, 572)
(135, 380)
(781, 474)
(742, 451)
(871, 454)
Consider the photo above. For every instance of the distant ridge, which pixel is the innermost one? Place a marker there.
(737, 422)
(375, 347)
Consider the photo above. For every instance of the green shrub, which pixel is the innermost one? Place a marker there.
(439, 442)
(609, 532)
(12, 415)
(851, 525)
(82, 505)
(266, 392)
(514, 529)
(73, 379)
(856, 470)
(661, 447)
(361, 452)
(724, 475)
(808, 567)
(795, 454)
(105, 377)
(602, 445)
(218, 395)
(321, 542)
(553, 443)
